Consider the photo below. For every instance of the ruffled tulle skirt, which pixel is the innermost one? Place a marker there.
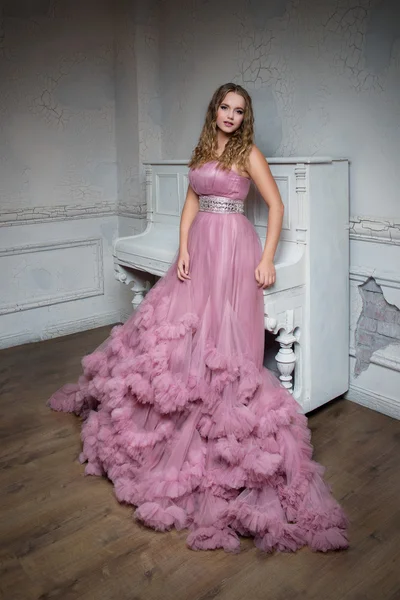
(180, 414)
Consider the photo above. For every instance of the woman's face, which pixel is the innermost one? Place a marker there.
(230, 113)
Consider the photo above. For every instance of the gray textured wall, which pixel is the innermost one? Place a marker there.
(57, 138)
(324, 76)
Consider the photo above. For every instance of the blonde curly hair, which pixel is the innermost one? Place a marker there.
(238, 147)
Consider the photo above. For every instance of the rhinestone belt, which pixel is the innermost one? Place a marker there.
(219, 204)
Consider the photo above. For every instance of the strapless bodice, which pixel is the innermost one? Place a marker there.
(210, 180)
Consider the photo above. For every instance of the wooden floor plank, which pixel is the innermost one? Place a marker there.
(65, 536)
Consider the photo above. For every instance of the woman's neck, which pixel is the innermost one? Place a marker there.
(222, 140)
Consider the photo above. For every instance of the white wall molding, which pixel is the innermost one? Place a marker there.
(62, 328)
(68, 327)
(384, 404)
(29, 215)
(378, 230)
(381, 358)
(125, 315)
(132, 210)
(42, 214)
(382, 278)
(96, 290)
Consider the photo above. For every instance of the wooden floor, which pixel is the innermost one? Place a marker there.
(64, 536)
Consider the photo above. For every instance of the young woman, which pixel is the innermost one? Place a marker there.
(178, 410)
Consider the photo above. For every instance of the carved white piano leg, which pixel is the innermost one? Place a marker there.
(139, 284)
(139, 293)
(270, 324)
(286, 359)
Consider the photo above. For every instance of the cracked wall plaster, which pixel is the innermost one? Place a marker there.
(323, 75)
(382, 33)
(57, 109)
(373, 228)
(378, 325)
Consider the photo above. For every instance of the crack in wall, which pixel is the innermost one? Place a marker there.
(365, 227)
(378, 325)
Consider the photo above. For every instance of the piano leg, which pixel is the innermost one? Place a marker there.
(138, 283)
(286, 359)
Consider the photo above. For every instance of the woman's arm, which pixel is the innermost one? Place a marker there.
(260, 173)
(190, 210)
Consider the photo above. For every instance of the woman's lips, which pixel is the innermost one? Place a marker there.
(228, 124)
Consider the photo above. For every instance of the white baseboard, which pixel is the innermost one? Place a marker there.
(65, 328)
(124, 315)
(383, 404)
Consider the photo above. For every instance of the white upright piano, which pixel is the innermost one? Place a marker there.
(308, 307)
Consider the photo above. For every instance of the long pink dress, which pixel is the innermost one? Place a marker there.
(180, 414)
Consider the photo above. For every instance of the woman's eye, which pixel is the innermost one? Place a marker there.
(224, 107)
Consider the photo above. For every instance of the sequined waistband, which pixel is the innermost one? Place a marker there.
(219, 204)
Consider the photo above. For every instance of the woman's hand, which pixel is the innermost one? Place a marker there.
(183, 265)
(265, 274)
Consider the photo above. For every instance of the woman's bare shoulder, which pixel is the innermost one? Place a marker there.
(256, 162)
(256, 156)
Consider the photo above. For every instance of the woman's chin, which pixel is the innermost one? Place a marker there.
(226, 130)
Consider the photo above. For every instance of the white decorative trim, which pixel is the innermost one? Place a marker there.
(42, 214)
(124, 315)
(380, 359)
(149, 193)
(140, 282)
(301, 172)
(146, 265)
(382, 278)
(75, 326)
(286, 357)
(378, 230)
(138, 211)
(383, 404)
(17, 339)
(64, 328)
(97, 290)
